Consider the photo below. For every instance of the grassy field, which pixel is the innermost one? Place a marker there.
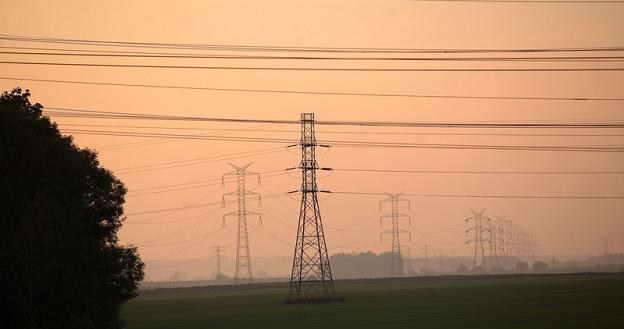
(531, 301)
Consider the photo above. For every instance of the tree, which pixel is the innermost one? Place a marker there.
(62, 264)
(522, 267)
(539, 266)
(479, 269)
(462, 269)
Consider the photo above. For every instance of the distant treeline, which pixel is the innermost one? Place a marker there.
(372, 265)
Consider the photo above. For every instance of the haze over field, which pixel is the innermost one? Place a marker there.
(156, 170)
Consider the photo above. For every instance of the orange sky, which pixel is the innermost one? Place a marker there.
(560, 226)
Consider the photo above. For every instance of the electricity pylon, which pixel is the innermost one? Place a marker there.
(243, 272)
(515, 240)
(605, 246)
(426, 251)
(524, 245)
(493, 244)
(532, 246)
(481, 225)
(497, 247)
(311, 278)
(396, 262)
(440, 261)
(408, 263)
(508, 229)
(527, 243)
(217, 255)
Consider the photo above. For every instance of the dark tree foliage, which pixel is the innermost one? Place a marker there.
(61, 265)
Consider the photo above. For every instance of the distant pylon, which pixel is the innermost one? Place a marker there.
(516, 249)
(243, 272)
(217, 254)
(532, 246)
(508, 233)
(481, 225)
(496, 241)
(311, 278)
(440, 260)
(501, 243)
(426, 253)
(396, 261)
(605, 246)
(528, 244)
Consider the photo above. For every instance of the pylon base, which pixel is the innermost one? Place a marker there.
(315, 300)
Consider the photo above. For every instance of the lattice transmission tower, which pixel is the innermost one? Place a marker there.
(217, 255)
(508, 236)
(527, 246)
(243, 272)
(426, 254)
(396, 261)
(515, 248)
(480, 228)
(605, 246)
(497, 241)
(311, 277)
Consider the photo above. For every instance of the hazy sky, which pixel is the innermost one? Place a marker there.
(560, 226)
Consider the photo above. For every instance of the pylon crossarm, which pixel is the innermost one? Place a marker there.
(226, 215)
(384, 200)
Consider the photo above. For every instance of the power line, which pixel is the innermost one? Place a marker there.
(81, 113)
(370, 144)
(203, 159)
(225, 156)
(346, 132)
(482, 195)
(179, 220)
(476, 172)
(588, 148)
(143, 143)
(307, 92)
(550, 148)
(195, 202)
(529, 1)
(184, 262)
(88, 53)
(202, 205)
(176, 231)
(191, 187)
(180, 241)
(342, 69)
(213, 180)
(134, 171)
(187, 247)
(177, 136)
(273, 48)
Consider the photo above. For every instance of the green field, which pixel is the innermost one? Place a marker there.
(530, 301)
